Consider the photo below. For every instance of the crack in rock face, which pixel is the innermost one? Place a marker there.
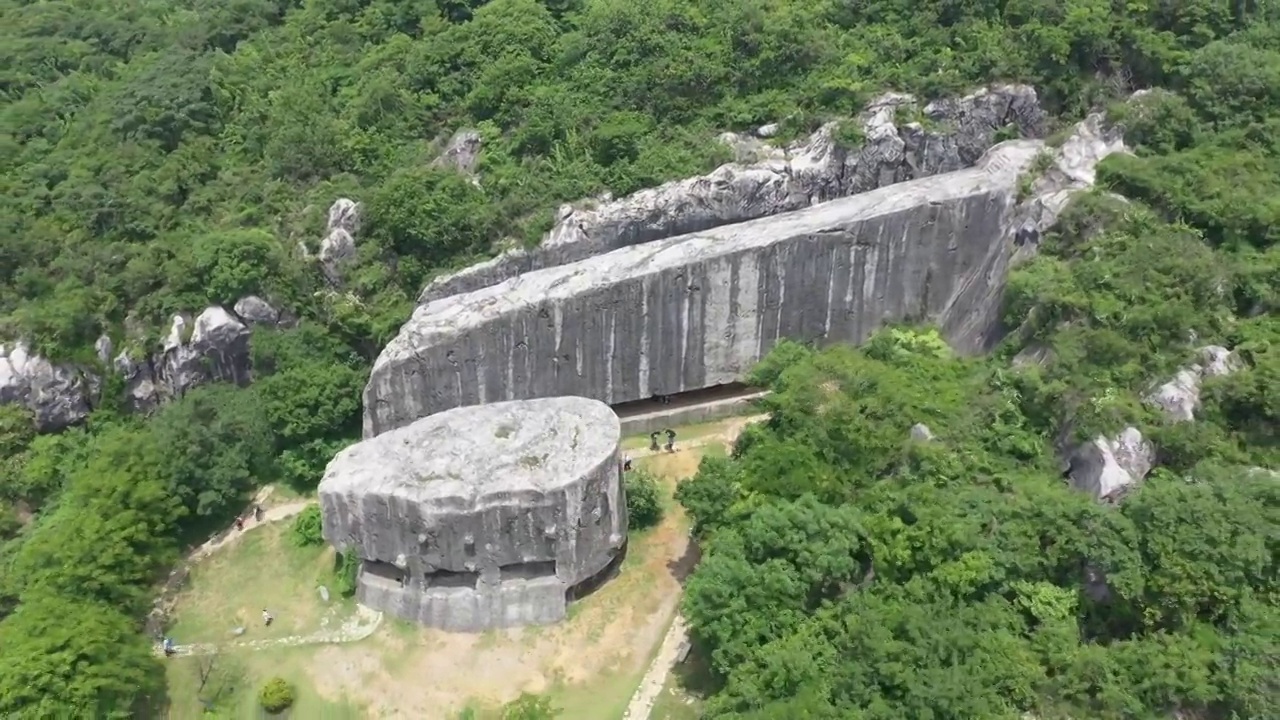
(482, 517)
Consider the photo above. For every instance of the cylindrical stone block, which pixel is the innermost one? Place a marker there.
(483, 516)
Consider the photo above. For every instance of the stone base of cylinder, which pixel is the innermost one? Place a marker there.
(507, 603)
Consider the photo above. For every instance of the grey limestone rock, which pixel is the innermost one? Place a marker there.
(462, 153)
(56, 395)
(253, 310)
(1106, 468)
(954, 134)
(1179, 398)
(921, 432)
(212, 347)
(1072, 168)
(482, 517)
(339, 244)
(699, 310)
(217, 349)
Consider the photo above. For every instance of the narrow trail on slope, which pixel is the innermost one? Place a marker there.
(673, 644)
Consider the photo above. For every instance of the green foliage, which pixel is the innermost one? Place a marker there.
(276, 695)
(346, 570)
(158, 157)
(530, 707)
(963, 558)
(65, 656)
(644, 499)
(306, 530)
(217, 446)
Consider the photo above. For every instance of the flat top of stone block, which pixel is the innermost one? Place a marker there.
(998, 170)
(479, 450)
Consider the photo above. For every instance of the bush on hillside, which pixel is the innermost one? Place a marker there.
(276, 695)
(306, 528)
(644, 500)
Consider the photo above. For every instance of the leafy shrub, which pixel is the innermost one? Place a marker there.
(276, 695)
(644, 504)
(348, 567)
(530, 707)
(307, 528)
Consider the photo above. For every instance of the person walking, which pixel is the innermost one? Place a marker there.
(266, 617)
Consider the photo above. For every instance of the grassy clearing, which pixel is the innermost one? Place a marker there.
(590, 665)
(231, 680)
(260, 570)
(229, 589)
(686, 432)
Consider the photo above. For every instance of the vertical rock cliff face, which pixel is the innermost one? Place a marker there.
(699, 310)
(902, 139)
(482, 517)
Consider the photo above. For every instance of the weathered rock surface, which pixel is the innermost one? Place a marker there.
(1073, 169)
(212, 347)
(921, 433)
(953, 135)
(462, 153)
(1179, 398)
(1107, 467)
(56, 395)
(699, 310)
(482, 517)
(339, 244)
(254, 311)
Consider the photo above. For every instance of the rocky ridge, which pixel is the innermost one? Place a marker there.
(896, 138)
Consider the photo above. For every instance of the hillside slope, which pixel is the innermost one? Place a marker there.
(162, 157)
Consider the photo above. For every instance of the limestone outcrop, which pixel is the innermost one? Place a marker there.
(940, 137)
(339, 244)
(212, 346)
(699, 310)
(461, 153)
(1179, 398)
(1106, 468)
(56, 395)
(482, 517)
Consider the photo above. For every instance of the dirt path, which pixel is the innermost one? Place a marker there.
(358, 627)
(655, 678)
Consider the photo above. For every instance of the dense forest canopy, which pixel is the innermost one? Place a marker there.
(160, 155)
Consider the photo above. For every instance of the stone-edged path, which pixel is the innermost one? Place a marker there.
(655, 678)
(677, 637)
(357, 627)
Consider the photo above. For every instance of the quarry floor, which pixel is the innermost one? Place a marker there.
(611, 659)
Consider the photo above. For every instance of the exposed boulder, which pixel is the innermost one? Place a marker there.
(462, 153)
(950, 135)
(217, 349)
(254, 311)
(921, 432)
(482, 517)
(1069, 170)
(695, 310)
(1107, 467)
(699, 310)
(1179, 398)
(339, 244)
(56, 395)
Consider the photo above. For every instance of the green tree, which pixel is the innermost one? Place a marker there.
(62, 656)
